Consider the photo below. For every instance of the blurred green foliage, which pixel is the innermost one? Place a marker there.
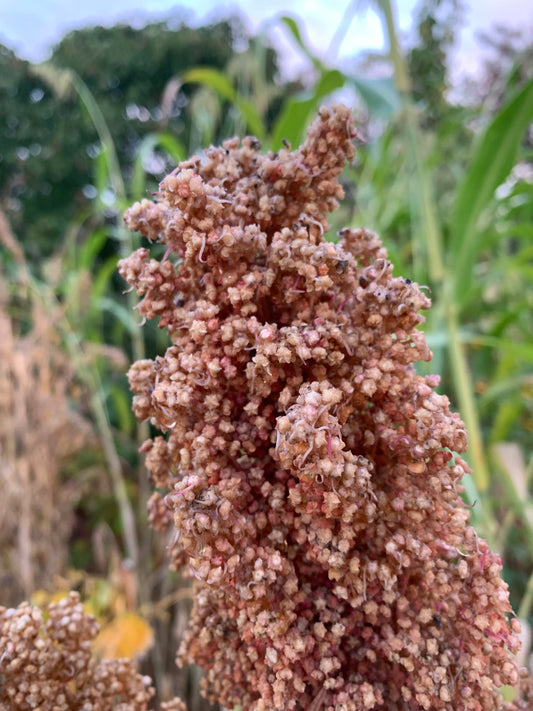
(48, 141)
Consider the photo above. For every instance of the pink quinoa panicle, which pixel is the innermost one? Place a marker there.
(311, 489)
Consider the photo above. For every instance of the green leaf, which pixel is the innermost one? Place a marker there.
(121, 403)
(294, 29)
(101, 172)
(380, 95)
(220, 83)
(510, 459)
(144, 151)
(296, 112)
(103, 278)
(121, 313)
(441, 338)
(472, 496)
(63, 82)
(172, 146)
(506, 345)
(505, 388)
(149, 143)
(106, 139)
(90, 249)
(492, 161)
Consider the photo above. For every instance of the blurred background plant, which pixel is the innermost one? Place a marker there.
(445, 177)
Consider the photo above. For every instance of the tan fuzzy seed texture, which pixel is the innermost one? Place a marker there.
(311, 489)
(49, 665)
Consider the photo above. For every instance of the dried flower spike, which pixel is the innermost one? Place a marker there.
(310, 480)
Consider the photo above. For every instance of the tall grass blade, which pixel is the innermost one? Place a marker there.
(295, 115)
(292, 25)
(380, 95)
(90, 249)
(220, 83)
(511, 463)
(165, 141)
(491, 163)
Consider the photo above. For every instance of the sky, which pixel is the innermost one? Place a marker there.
(31, 27)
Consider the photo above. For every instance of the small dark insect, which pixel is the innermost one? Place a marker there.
(408, 281)
(363, 282)
(286, 144)
(256, 144)
(437, 620)
(341, 265)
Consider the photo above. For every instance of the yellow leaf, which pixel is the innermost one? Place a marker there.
(42, 598)
(128, 635)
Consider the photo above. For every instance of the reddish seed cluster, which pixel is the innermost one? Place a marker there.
(48, 666)
(306, 471)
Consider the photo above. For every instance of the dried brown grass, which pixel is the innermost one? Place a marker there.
(39, 434)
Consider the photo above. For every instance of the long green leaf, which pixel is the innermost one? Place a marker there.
(120, 403)
(138, 181)
(294, 29)
(153, 140)
(102, 172)
(296, 112)
(63, 81)
(505, 388)
(224, 88)
(438, 339)
(90, 249)
(106, 139)
(172, 146)
(102, 279)
(379, 95)
(493, 159)
(126, 318)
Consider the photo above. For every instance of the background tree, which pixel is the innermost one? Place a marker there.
(48, 143)
(437, 25)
